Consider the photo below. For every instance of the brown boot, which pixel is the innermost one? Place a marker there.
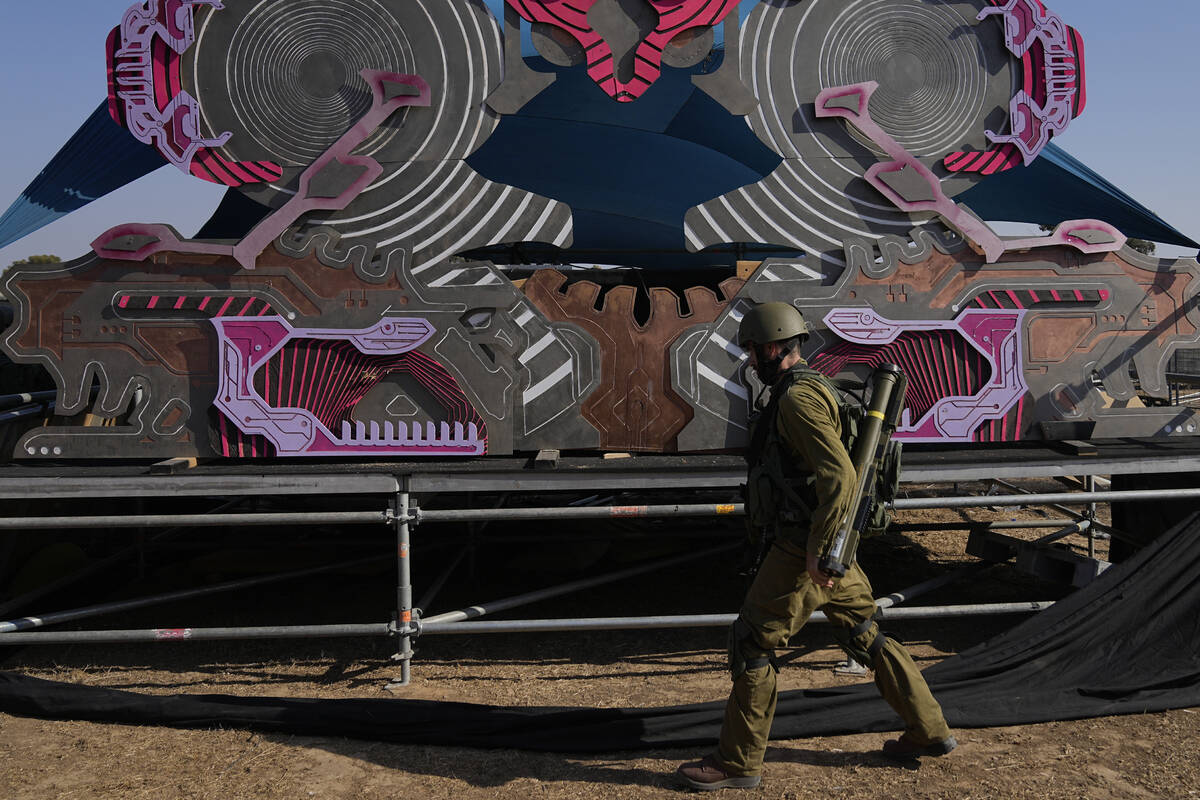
(706, 774)
(904, 748)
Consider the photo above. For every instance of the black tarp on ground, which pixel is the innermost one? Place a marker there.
(1127, 644)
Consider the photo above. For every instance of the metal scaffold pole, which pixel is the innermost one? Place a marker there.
(1089, 485)
(1037, 499)
(585, 512)
(404, 591)
(529, 598)
(403, 515)
(196, 520)
(485, 626)
(415, 516)
(59, 617)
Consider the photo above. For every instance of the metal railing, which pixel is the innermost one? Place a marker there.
(414, 515)
(403, 515)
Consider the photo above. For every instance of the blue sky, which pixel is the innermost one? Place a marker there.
(1139, 129)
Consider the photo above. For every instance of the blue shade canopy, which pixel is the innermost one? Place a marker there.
(629, 171)
(1058, 186)
(100, 158)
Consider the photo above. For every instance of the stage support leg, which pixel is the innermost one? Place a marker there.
(404, 591)
(1089, 485)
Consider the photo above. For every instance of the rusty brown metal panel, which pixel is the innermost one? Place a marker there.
(634, 407)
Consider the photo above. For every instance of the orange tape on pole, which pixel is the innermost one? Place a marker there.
(628, 511)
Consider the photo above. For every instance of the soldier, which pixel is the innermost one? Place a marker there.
(802, 441)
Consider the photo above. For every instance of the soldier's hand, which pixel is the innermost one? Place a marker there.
(818, 577)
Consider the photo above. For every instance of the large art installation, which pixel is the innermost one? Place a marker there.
(361, 310)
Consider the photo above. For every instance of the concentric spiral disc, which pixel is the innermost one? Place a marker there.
(283, 77)
(292, 74)
(943, 76)
(929, 62)
(944, 79)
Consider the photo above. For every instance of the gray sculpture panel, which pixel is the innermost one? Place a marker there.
(317, 344)
(1048, 344)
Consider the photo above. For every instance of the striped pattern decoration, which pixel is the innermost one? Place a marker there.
(675, 16)
(998, 158)
(1003, 157)
(328, 377)
(550, 362)
(165, 74)
(192, 305)
(231, 442)
(116, 108)
(1030, 298)
(938, 364)
(469, 211)
(1007, 428)
(211, 166)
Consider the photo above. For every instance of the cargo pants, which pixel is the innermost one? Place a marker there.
(779, 602)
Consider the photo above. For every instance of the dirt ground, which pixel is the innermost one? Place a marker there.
(1147, 756)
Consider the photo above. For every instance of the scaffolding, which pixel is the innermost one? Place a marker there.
(392, 495)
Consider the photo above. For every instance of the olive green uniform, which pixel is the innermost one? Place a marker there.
(783, 596)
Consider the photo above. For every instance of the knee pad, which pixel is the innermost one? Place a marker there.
(863, 642)
(744, 652)
(876, 645)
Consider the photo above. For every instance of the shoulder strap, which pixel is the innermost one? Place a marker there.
(768, 423)
(831, 389)
(767, 417)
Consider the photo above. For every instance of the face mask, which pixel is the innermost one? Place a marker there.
(767, 369)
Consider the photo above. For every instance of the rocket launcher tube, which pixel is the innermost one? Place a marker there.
(888, 384)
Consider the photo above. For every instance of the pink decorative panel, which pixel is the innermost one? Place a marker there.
(297, 390)
(1052, 93)
(675, 17)
(913, 187)
(146, 95)
(964, 372)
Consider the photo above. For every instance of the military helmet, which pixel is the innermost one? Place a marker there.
(771, 322)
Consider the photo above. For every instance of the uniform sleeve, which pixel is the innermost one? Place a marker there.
(809, 424)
